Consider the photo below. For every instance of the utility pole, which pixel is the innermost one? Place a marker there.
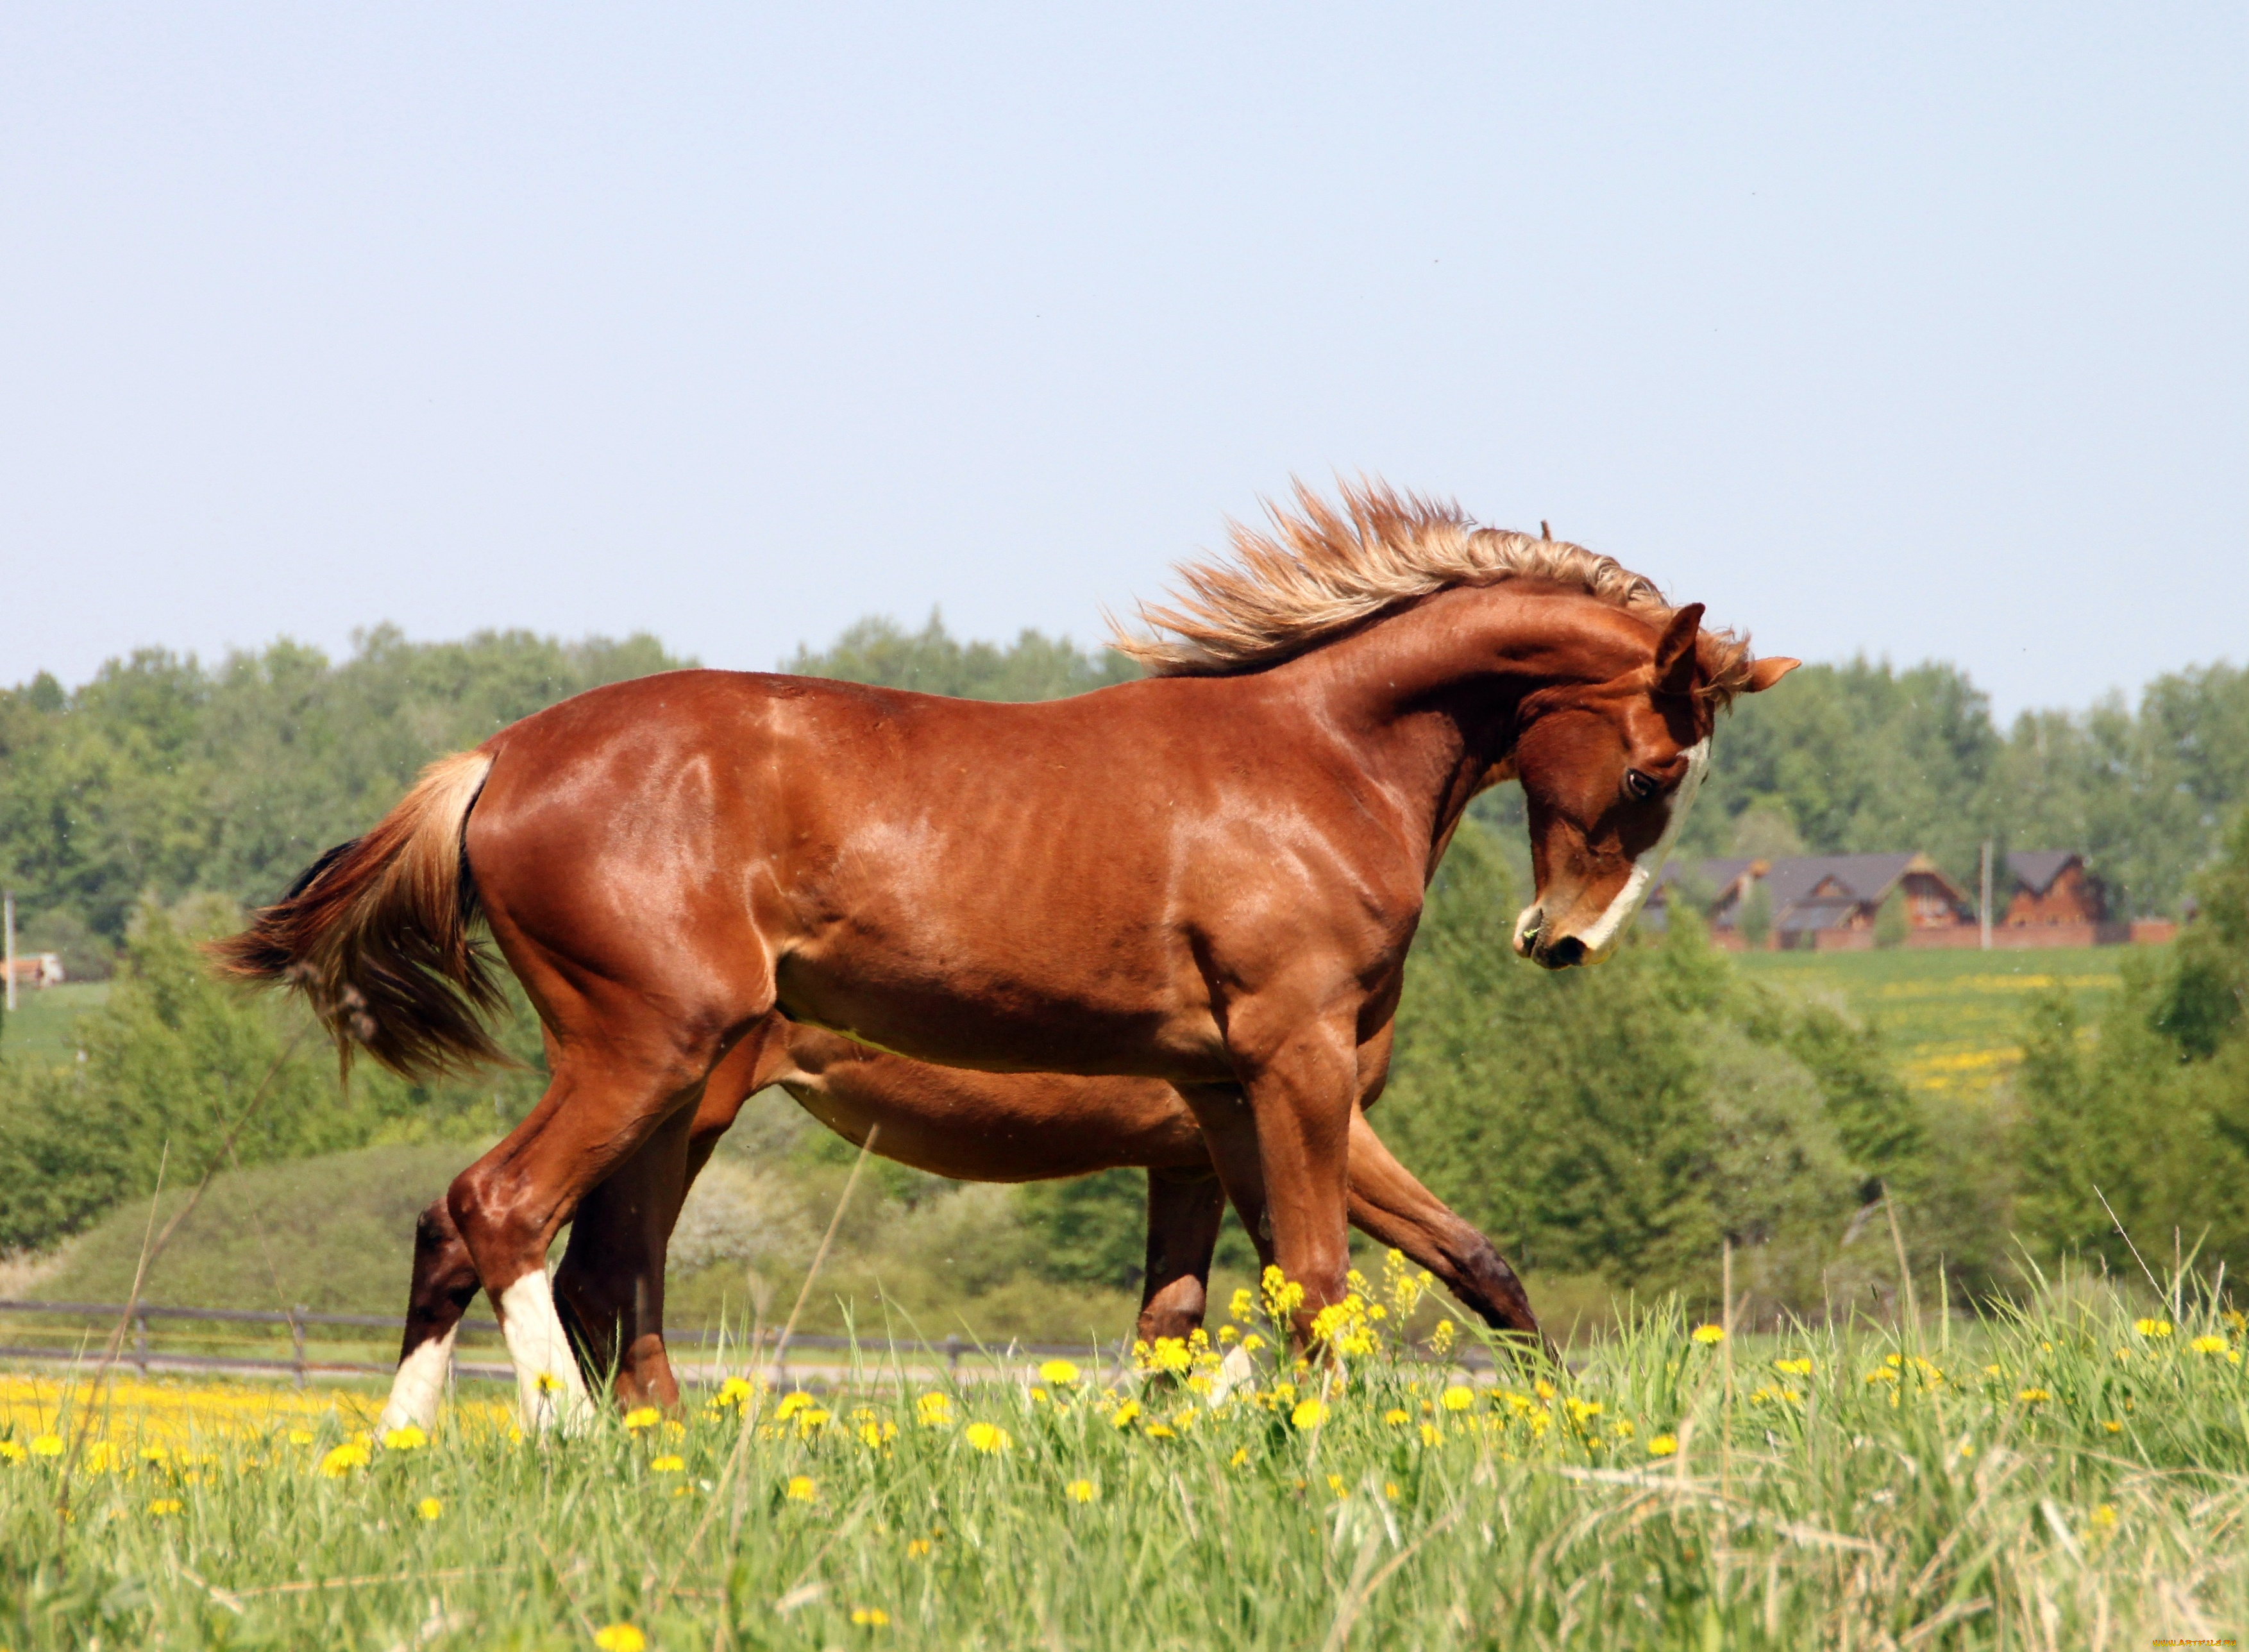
(1983, 907)
(8, 926)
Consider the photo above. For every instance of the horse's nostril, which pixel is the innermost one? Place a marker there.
(1564, 952)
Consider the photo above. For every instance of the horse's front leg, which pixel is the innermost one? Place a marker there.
(1184, 1209)
(1300, 1093)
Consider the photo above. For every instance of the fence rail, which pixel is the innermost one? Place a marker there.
(767, 1353)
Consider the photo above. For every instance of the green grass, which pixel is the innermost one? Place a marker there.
(39, 1031)
(1951, 1020)
(1962, 1511)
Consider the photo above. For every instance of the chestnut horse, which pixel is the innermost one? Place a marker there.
(951, 1122)
(1210, 875)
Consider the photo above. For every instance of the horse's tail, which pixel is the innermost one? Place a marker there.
(375, 934)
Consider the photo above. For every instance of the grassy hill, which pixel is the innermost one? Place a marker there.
(40, 1029)
(1952, 1021)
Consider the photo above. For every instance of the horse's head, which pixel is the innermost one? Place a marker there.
(1608, 771)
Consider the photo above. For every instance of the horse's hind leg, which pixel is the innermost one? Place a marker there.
(1184, 1209)
(609, 1288)
(444, 1284)
(615, 1261)
(605, 1100)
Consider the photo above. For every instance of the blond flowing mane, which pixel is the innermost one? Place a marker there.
(1323, 569)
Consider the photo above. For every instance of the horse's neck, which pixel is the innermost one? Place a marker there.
(1428, 697)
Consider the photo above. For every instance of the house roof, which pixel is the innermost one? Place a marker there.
(2036, 868)
(1811, 892)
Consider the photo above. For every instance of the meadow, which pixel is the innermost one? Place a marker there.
(2074, 1474)
(1951, 1020)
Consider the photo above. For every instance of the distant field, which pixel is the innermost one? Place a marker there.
(39, 1031)
(1953, 1021)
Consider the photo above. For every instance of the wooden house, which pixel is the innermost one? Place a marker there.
(2052, 886)
(1826, 902)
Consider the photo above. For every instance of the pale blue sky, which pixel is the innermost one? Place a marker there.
(1919, 332)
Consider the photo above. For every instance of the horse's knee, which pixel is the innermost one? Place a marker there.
(505, 1237)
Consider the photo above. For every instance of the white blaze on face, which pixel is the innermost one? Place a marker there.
(547, 1380)
(1602, 940)
(418, 1386)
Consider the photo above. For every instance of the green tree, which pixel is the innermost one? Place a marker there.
(881, 652)
(2148, 1108)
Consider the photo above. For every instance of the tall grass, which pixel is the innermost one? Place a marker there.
(2057, 1477)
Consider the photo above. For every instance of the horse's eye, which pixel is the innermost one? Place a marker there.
(1642, 787)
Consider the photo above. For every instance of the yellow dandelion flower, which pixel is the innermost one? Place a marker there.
(1335, 1484)
(1058, 1373)
(46, 1445)
(1708, 1334)
(987, 1437)
(2156, 1328)
(1081, 1491)
(667, 1464)
(789, 1405)
(2112, 1426)
(166, 1505)
(1793, 1367)
(642, 1417)
(870, 1617)
(918, 1548)
(800, 1488)
(1397, 1419)
(154, 1454)
(1664, 1445)
(875, 1435)
(620, 1637)
(935, 1410)
(1622, 1428)
(2105, 1516)
(1543, 1388)
(1240, 1458)
(339, 1461)
(409, 1438)
(300, 1437)
(1125, 1413)
(734, 1391)
(2032, 1396)
(1309, 1414)
(1457, 1398)
(2208, 1344)
(1582, 1410)
(1882, 1373)
(429, 1508)
(810, 1418)
(1431, 1434)
(547, 1382)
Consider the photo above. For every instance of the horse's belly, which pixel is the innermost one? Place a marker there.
(976, 1017)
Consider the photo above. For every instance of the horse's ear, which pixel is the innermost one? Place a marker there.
(1675, 655)
(1766, 673)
